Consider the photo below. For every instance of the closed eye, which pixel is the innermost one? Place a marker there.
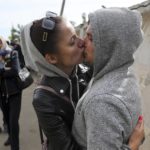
(73, 40)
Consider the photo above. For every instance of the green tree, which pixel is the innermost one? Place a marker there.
(15, 33)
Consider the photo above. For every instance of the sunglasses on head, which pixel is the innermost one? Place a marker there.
(48, 22)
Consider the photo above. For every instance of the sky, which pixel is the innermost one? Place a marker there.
(13, 12)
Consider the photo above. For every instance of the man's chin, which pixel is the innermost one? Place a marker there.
(87, 61)
(81, 60)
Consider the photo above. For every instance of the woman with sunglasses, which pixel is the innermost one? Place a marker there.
(51, 47)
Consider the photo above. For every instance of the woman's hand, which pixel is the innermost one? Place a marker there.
(137, 137)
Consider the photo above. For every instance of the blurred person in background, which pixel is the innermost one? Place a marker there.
(10, 94)
(3, 46)
(15, 45)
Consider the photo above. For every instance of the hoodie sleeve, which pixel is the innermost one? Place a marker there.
(108, 124)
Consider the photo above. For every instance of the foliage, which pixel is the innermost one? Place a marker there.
(15, 33)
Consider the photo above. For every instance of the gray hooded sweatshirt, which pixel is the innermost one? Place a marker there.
(108, 112)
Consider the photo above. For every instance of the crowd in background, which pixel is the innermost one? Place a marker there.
(11, 60)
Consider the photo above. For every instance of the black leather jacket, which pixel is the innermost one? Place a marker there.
(55, 115)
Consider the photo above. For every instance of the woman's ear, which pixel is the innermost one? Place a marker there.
(51, 58)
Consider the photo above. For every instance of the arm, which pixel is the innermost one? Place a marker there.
(108, 124)
(13, 70)
(54, 127)
(20, 55)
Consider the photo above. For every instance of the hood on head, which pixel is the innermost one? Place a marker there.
(4, 44)
(34, 59)
(116, 36)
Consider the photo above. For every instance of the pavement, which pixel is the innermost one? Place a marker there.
(29, 134)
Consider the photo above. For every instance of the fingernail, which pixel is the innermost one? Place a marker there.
(140, 118)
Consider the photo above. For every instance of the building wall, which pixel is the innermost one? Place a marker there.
(142, 67)
(142, 56)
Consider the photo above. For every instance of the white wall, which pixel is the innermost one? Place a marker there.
(142, 56)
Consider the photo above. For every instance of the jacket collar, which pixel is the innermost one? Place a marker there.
(59, 84)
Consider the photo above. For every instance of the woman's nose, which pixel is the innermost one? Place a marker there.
(81, 43)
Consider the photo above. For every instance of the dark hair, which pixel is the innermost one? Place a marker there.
(51, 44)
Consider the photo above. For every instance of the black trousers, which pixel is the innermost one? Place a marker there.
(11, 110)
(4, 120)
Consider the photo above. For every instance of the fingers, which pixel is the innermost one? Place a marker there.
(140, 118)
(137, 137)
(140, 126)
(140, 123)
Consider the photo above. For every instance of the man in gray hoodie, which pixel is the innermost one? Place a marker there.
(108, 111)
